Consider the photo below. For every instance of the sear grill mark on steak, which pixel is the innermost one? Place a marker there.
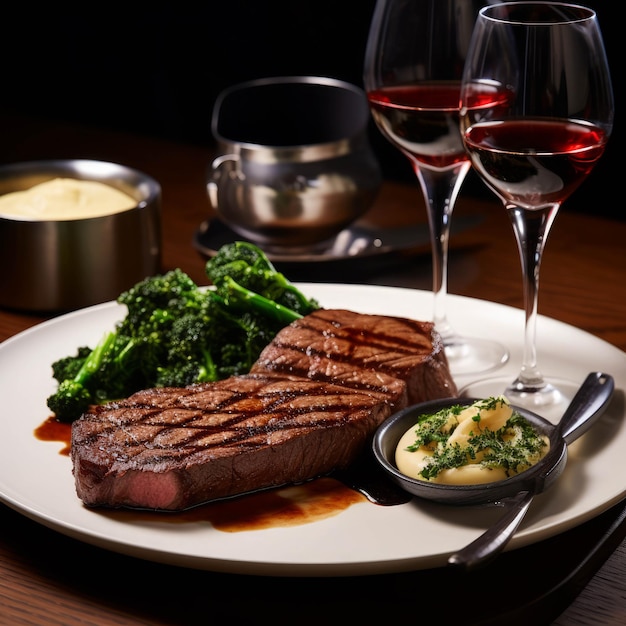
(308, 407)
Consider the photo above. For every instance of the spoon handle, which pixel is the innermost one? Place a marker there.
(593, 395)
(488, 545)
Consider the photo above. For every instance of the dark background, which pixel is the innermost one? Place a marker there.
(157, 69)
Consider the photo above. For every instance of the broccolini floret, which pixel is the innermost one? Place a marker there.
(249, 267)
(74, 393)
(68, 366)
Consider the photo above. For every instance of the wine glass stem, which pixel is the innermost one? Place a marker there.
(440, 189)
(531, 228)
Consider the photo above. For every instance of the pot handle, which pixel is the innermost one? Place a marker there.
(216, 174)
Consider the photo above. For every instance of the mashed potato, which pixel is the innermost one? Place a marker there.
(65, 199)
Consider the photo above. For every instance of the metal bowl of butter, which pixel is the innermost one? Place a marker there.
(74, 233)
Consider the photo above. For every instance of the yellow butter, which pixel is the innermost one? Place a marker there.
(463, 425)
(65, 199)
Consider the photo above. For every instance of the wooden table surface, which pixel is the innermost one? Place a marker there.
(577, 577)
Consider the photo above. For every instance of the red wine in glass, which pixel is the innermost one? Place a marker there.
(563, 153)
(422, 121)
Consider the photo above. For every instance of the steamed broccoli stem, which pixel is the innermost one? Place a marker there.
(181, 374)
(250, 267)
(303, 302)
(207, 371)
(235, 295)
(72, 397)
(94, 360)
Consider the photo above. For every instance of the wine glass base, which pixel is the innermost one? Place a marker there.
(470, 355)
(548, 400)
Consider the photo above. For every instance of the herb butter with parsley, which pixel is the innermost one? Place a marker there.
(463, 445)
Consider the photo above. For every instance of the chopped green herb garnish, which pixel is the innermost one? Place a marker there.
(513, 446)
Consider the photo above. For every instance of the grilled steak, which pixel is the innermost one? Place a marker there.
(310, 406)
(362, 352)
(172, 448)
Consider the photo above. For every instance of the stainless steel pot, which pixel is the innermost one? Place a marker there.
(295, 165)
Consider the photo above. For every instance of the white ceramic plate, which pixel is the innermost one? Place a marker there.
(36, 480)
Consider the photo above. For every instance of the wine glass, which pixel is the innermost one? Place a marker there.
(536, 114)
(412, 75)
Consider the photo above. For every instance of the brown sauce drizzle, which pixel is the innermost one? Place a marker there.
(53, 430)
(287, 506)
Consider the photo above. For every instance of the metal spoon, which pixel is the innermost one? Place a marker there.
(586, 405)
